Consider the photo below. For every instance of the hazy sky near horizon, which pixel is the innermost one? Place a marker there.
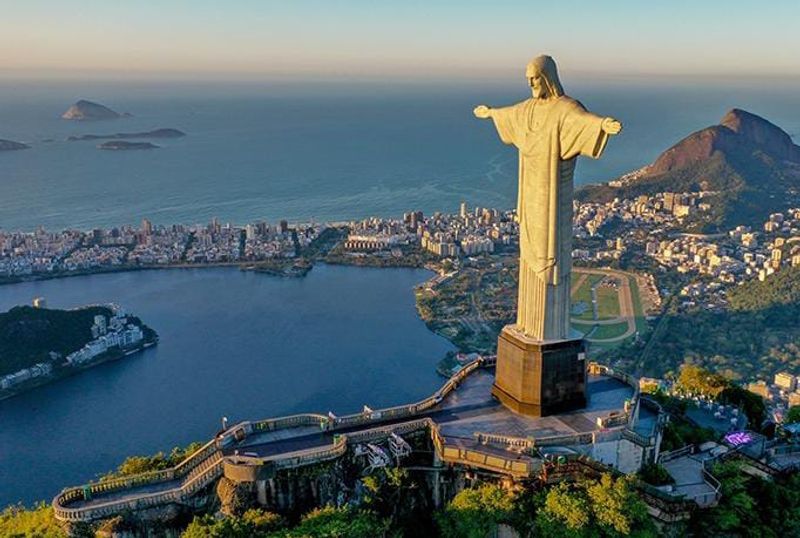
(409, 39)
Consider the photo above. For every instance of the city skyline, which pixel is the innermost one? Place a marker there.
(412, 41)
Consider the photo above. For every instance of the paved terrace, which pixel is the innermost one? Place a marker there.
(467, 424)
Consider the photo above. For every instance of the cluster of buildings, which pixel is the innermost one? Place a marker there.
(647, 224)
(468, 233)
(26, 374)
(43, 252)
(113, 333)
(782, 393)
(381, 234)
(663, 209)
(730, 259)
(108, 332)
(36, 252)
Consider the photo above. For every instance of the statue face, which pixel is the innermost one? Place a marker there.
(538, 87)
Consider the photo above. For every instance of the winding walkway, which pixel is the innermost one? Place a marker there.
(466, 424)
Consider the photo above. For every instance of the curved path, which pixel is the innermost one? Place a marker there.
(467, 426)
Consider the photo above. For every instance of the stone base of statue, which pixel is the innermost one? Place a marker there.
(539, 378)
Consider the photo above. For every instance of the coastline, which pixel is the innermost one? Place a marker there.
(69, 371)
(121, 269)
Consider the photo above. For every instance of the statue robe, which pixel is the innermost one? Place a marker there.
(549, 135)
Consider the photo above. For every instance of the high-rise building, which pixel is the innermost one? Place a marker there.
(669, 201)
(786, 381)
(415, 218)
(147, 227)
(463, 210)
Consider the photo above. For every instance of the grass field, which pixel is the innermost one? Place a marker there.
(607, 302)
(584, 294)
(606, 332)
(601, 332)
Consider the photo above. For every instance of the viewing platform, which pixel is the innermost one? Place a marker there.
(467, 427)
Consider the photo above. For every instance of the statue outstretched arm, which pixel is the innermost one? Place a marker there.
(611, 126)
(482, 112)
(505, 121)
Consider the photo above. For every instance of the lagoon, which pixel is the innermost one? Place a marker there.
(235, 344)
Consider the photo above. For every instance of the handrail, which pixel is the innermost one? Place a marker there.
(177, 494)
(677, 453)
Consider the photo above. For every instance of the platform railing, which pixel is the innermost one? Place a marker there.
(232, 435)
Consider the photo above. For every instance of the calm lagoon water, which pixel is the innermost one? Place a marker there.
(233, 344)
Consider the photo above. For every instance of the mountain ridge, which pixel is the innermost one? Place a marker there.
(750, 165)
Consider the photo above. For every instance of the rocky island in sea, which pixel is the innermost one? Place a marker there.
(10, 145)
(155, 133)
(39, 345)
(87, 110)
(122, 145)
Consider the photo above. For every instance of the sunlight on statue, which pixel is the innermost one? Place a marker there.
(550, 130)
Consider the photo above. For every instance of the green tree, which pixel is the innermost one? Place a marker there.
(252, 524)
(475, 512)
(566, 512)
(735, 505)
(332, 522)
(752, 404)
(750, 506)
(36, 522)
(793, 415)
(696, 380)
(616, 506)
(605, 507)
(655, 474)
(157, 462)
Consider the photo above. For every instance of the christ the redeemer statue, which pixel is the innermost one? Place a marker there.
(541, 369)
(550, 130)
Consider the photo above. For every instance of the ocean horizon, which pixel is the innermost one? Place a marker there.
(316, 151)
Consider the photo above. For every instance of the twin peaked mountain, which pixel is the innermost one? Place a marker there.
(751, 166)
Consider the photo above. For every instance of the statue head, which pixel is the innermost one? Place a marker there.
(542, 76)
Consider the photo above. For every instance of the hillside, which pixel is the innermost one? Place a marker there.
(780, 290)
(751, 167)
(28, 334)
(757, 336)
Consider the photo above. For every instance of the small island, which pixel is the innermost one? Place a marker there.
(156, 133)
(85, 110)
(10, 145)
(122, 145)
(39, 345)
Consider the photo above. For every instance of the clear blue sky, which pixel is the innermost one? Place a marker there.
(403, 38)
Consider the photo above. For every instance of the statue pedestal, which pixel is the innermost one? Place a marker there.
(539, 377)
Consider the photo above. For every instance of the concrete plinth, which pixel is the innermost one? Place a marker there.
(539, 378)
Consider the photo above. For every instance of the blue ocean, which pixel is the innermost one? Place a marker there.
(323, 151)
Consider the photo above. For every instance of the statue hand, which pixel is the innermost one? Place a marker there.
(611, 126)
(482, 112)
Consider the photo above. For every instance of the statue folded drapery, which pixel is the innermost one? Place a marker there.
(550, 131)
